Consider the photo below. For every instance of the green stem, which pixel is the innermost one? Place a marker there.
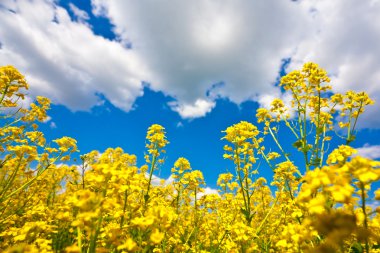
(281, 149)
(4, 93)
(348, 139)
(287, 123)
(10, 180)
(39, 172)
(351, 130)
(316, 147)
(322, 146)
(304, 140)
(79, 237)
(365, 222)
(247, 214)
(258, 230)
(94, 238)
(124, 208)
(146, 196)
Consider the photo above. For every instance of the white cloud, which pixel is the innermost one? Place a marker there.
(156, 181)
(345, 43)
(191, 45)
(265, 101)
(199, 109)
(23, 103)
(53, 125)
(369, 151)
(48, 118)
(64, 60)
(182, 48)
(80, 14)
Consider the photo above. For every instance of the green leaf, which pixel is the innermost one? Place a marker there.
(357, 248)
(306, 148)
(245, 212)
(316, 161)
(297, 144)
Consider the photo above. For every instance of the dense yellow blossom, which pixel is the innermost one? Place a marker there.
(109, 204)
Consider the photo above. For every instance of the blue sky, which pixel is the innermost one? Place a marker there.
(113, 68)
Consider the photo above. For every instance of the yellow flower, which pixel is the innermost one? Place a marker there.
(377, 194)
(278, 106)
(273, 155)
(317, 205)
(66, 143)
(263, 115)
(143, 222)
(156, 136)
(340, 154)
(181, 165)
(129, 245)
(156, 236)
(282, 243)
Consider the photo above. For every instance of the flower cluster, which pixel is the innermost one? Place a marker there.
(109, 204)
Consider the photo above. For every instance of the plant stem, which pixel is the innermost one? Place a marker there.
(365, 215)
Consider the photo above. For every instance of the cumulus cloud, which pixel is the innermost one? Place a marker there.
(189, 46)
(199, 109)
(345, 43)
(369, 151)
(64, 60)
(80, 14)
(183, 48)
(265, 101)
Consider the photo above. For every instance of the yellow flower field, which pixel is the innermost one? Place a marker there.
(108, 204)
